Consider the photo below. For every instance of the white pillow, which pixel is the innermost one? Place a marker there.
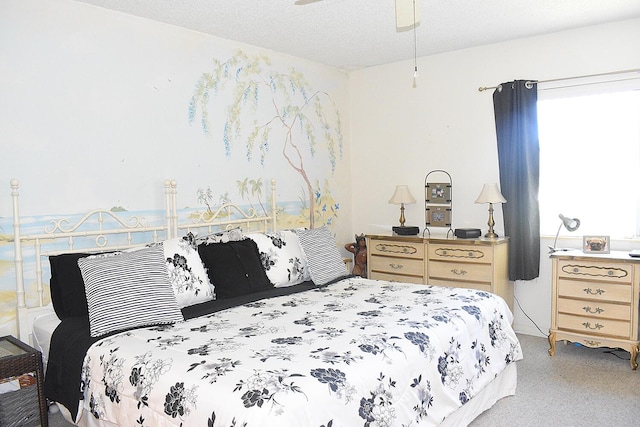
(128, 290)
(281, 257)
(323, 258)
(187, 275)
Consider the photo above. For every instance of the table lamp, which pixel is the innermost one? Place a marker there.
(491, 194)
(401, 196)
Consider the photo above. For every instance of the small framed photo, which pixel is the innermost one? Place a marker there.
(595, 244)
(438, 192)
(439, 216)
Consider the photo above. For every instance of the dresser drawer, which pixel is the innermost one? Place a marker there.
(459, 284)
(392, 265)
(595, 271)
(593, 326)
(389, 277)
(595, 309)
(460, 271)
(596, 291)
(397, 249)
(467, 253)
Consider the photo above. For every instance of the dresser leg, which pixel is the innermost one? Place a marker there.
(552, 343)
(634, 357)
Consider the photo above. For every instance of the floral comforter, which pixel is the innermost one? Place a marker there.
(358, 352)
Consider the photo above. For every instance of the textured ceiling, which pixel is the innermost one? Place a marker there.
(353, 34)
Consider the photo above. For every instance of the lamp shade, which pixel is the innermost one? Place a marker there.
(570, 224)
(490, 194)
(401, 195)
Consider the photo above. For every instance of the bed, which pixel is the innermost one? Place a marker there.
(277, 334)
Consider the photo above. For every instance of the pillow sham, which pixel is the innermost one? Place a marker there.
(225, 236)
(128, 290)
(234, 268)
(281, 257)
(187, 276)
(67, 287)
(323, 258)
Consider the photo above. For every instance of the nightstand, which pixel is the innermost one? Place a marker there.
(595, 301)
(17, 358)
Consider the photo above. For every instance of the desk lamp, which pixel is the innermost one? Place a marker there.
(571, 224)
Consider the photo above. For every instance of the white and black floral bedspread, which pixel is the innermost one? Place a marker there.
(355, 353)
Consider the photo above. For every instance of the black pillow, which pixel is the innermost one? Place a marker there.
(67, 286)
(234, 268)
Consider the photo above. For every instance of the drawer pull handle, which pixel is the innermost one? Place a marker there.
(598, 310)
(592, 343)
(596, 292)
(595, 327)
(396, 266)
(458, 272)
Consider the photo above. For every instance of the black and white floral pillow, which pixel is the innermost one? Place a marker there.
(231, 235)
(282, 257)
(187, 275)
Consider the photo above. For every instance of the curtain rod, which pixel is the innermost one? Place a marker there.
(610, 73)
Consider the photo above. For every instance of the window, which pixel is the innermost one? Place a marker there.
(590, 160)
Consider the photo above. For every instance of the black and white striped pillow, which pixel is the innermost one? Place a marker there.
(323, 258)
(128, 290)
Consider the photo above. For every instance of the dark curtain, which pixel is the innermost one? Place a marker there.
(516, 114)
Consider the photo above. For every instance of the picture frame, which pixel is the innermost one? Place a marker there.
(595, 244)
(438, 216)
(438, 192)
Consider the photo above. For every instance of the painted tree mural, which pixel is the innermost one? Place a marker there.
(269, 108)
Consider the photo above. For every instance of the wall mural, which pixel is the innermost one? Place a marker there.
(245, 103)
(268, 109)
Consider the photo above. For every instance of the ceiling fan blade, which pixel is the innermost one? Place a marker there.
(303, 2)
(405, 14)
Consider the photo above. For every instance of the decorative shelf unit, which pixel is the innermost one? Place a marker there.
(438, 205)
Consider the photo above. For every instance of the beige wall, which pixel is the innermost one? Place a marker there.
(399, 134)
(94, 112)
(89, 94)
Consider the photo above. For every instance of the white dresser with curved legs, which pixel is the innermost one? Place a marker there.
(595, 301)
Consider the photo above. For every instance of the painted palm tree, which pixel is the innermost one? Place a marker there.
(256, 190)
(264, 99)
(243, 189)
(205, 196)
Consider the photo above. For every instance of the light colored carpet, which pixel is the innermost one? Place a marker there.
(579, 386)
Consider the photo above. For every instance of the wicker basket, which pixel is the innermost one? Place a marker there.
(20, 408)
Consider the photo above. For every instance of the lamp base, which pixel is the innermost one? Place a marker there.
(406, 230)
(554, 249)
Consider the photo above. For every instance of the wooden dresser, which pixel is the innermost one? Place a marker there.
(470, 263)
(595, 301)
